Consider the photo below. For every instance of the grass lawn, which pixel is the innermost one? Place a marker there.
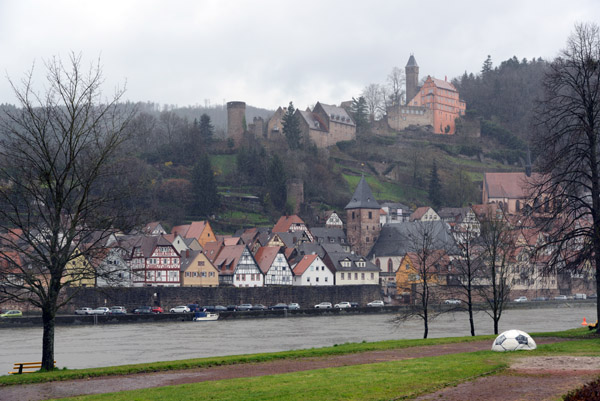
(388, 380)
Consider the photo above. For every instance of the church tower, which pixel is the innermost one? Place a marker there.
(362, 213)
(412, 78)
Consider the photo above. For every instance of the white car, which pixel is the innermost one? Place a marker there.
(83, 311)
(521, 299)
(179, 309)
(343, 305)
(100, 311)
(377, 304)
(452, 302)
(561, 298)
(323, 305)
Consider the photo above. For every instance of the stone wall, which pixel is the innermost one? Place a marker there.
(168, 297)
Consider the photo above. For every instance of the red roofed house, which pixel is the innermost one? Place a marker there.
(509, 190)
(424, 213)
(274, 265)
(311, 270)
(291, 224)
(238, 267)
(154, 262)
(200, 230)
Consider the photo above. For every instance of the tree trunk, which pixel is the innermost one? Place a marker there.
(48, 318)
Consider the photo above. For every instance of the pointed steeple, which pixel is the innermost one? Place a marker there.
(412, 62)
(363, 197)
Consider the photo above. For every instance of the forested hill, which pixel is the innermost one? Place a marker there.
(504, 95)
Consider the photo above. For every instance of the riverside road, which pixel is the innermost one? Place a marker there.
(106, 345)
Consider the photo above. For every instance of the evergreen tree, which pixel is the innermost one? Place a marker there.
(291, 127)
(276, 183)
(360, 113)
(435, 187)
(205, 128)
(205, 200)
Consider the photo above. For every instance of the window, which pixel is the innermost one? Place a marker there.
(203, 274)
(362, 276)
(308, 279)
(390, 266)
(237, 277)
(243, 277)
(200, 263)
(355, 276)
(372, 276)
(317, 279)
(325, 279)
(370, 215)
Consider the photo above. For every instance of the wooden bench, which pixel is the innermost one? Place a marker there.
(26, 367)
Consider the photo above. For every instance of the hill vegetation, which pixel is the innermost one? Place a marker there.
(169, 141)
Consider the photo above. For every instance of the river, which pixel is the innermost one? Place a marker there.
(106, 345)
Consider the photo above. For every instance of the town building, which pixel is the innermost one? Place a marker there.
(312, 271)
(362, 219)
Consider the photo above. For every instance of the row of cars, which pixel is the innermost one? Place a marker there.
(345, 305)
(557, 298)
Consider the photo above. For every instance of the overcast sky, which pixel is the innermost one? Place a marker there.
(268, 53)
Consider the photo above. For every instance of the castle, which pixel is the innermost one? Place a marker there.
(436, 104)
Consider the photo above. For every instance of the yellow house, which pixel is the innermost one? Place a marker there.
(79, 272)
(411, 270)
(197, 270)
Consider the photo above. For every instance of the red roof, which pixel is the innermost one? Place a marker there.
(508, 185)
(265, 256)
(419, 213)
(228, 258)
(304, 263)
(285, 222)
(193, 230)
(212, 249)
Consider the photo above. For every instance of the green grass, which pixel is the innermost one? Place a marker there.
(223, 164)
(349, 348)
(359, 382)
(245, 217)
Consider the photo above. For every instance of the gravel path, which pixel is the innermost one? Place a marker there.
(555, 383)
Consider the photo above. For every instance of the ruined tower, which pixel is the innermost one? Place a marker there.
(362, 219)
(236, 115)
(412, 78)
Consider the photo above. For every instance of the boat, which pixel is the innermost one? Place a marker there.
(205, 316)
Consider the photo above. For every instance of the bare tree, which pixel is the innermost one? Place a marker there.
(467, 268)
(428, 267)
(60, 199)
(567, 191)
(373, 95)
(395, 87)
(497, 245)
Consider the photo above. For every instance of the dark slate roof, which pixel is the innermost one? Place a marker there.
(363, 197)
(326, 235)
(412, 62)
(338, 257)
(399, 239)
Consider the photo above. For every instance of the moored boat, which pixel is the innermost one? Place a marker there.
(205, 316)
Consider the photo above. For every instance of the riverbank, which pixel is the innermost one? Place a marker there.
(35, 320)
(352, 371)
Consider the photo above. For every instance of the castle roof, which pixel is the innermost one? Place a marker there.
(363, 197)
(337, 114)
(440, 83)
(412, 62)
(508, 185)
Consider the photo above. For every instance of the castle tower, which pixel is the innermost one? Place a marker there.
(362, 219)
(236, 114)
(412, 78)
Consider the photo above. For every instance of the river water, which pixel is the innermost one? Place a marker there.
(106, 345)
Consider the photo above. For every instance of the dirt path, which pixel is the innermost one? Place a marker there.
(526, 381)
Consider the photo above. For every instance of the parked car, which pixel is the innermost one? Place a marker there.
(179, 309)
(521, 299)
(560, 297)
(593, 296)
(220, 308)
(259, 307)
(208, 308)
(452, 302)
(83, 311)
(279, 306)
(232, 308)
(12, 313)
(354, 304)
(323, 305)
(580, 296)
(194, 308)
(121, 309)
(103, 310)
(538, 299)
(293, 305)
(376, 303)
(343, 305)
(244, 307)
(157, 309)
(143, 310)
